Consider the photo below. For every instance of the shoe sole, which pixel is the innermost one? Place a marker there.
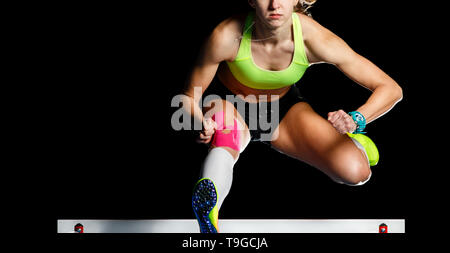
(204, 199)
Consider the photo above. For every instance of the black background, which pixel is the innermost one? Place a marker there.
(116, 156)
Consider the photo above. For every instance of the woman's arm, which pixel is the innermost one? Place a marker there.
(324, 46)
(220, 46)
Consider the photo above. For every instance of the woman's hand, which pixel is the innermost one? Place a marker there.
(208, 130)
(342, 121)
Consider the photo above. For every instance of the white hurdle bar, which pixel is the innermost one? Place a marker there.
(234, 226)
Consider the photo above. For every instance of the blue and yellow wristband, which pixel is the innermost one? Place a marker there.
(359, 120)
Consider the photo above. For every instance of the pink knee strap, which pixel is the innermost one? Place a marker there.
(225, 136)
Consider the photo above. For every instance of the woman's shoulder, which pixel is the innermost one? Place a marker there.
(310, 27)
(223, 43)
(227, 35)
(232, 26)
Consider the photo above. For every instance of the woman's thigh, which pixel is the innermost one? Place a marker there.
(306, 136)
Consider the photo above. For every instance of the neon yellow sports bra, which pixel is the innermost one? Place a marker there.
(249, 74)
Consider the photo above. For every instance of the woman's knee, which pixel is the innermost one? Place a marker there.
(355, 174)
(232, 133)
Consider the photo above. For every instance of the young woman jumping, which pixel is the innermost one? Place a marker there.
(266, 52)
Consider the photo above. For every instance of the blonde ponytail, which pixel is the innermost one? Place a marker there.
(303, 6)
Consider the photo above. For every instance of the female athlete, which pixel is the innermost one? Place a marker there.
(259, 56)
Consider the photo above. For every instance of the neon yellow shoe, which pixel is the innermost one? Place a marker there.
(369, 146)
(204, 203)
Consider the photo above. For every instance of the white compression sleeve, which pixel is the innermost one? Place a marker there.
(218, 166)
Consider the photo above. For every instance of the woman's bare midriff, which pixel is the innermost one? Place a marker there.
(250, 95)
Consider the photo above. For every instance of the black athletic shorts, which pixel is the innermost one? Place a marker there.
(264, 109)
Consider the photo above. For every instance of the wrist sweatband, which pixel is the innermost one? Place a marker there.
(359, 120)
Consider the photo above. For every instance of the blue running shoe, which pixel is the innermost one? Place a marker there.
(204, 203)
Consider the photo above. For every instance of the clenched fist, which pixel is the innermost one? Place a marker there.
(342, 121)
(208, 130)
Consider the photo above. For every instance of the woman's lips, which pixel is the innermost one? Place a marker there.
(275, 16)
